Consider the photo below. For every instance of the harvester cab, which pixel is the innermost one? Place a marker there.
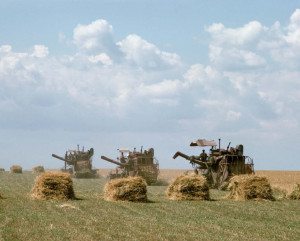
(220, 164)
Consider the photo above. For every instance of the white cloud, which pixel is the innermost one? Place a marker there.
(40, 51)
(145, 54)
(5, 48)
(96, 38)
(233, 115)
(166, 87)
(248, 34)
(133, 81)
(293, 35)
(103, 58)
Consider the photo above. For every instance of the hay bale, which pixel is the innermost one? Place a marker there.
(133, 189)
(248, 187)
(53, 185)
(38, 169)
(295, 194)
(188, 187)
(15, 169)
(2, 170)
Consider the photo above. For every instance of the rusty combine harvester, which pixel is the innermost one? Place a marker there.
(220, 164)
(78, 163)
(135, 163)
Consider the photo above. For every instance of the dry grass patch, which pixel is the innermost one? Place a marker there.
(54, 186)
(295, 194)
(15, 169)
(248, 187)
(38, 169)
(188, 187)
(133, 189)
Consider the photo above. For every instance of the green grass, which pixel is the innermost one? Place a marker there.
(92, 218)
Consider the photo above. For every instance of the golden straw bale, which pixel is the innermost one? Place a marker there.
(38, 169)
(249, 187)
(133, 189)
(15, 169)
(188, 187)
(2, 170)
(53, 185)
(295, 194)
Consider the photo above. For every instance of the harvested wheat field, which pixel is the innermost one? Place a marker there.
(249, 187)
(295, 194)
(56, 186)
(133, 189)
(90, 217)
(283, 181)
(15, 169)
(38, 169)
(188, 187)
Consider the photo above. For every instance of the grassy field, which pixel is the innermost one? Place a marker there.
(92, 218)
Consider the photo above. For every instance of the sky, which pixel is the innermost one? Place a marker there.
(112, 74)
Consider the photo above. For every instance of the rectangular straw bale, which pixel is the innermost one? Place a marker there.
(38, 169)
(295, 194)
(188, 187)
(133, 189)
(249, 187)
(15, 169)
(53, 185)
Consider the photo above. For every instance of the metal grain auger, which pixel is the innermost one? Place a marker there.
(220, 164)
(135, 163)
(78, 163)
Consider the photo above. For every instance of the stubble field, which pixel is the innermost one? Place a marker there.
(92, 218)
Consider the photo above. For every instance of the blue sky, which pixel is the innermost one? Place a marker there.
(111, 74)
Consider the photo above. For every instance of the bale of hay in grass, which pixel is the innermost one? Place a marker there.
(295, 194)
(15, 169)
(38, 169)
(53, 185)
(2, 170)
(133, 189)
(248, 187)
(188, 187)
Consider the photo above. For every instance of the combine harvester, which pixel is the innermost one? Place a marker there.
(78, 163)
(220, 165)
(133, 163)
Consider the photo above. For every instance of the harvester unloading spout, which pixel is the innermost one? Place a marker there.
(114, 162)
(63, 159)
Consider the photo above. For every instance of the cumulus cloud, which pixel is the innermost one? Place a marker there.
(255, 46)
(134, 81)
(96, 38)
(103, 58)
(40, 51)
(147, 55)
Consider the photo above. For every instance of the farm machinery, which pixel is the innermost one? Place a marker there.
(78, 162)
(133, 163)
(220, 164)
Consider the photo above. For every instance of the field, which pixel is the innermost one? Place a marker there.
(92, 218)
